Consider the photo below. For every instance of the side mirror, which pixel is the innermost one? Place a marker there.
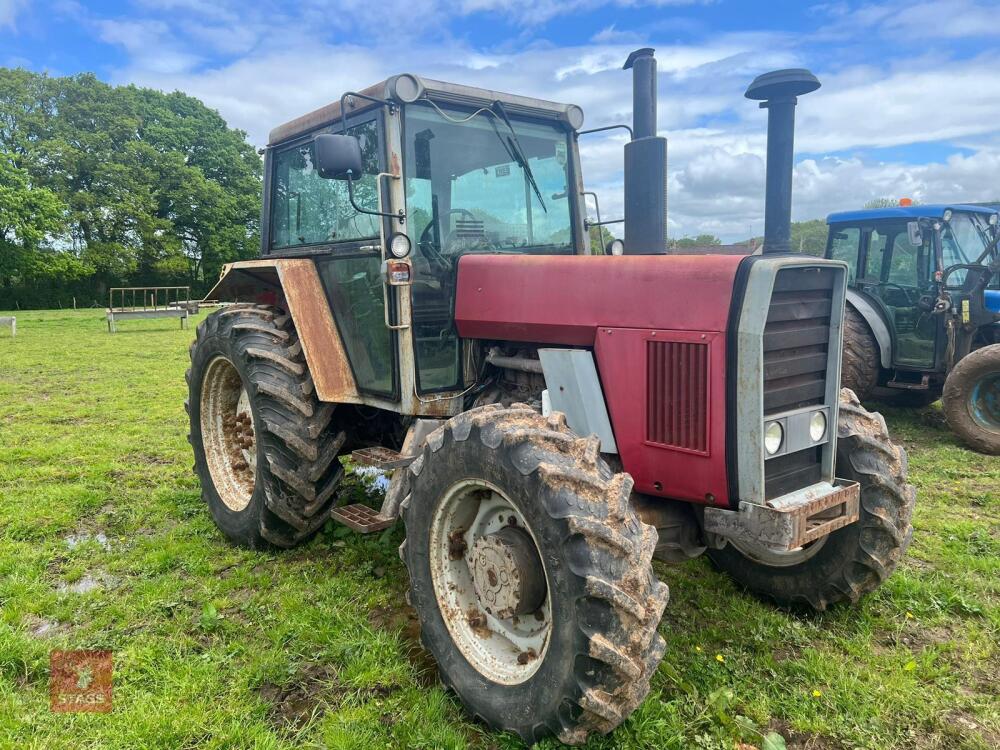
(913, 233)
(338, 157)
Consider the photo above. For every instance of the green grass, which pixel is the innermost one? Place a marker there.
(220, 647)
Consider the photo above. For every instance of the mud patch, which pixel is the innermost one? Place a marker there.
(804, 740)
(293, 706)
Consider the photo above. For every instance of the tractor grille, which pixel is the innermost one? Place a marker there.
(796, 349)
(677, 397)
(796, 339)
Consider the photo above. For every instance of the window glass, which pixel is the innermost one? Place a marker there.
(468, 191)
(844, 246)
(876, 251)
(309, 210)
(904, 267)
(354, 286)
(961, 242)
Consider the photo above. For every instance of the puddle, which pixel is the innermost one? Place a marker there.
(75, 540)
(86, 584)
(374, 479)
(39, 627)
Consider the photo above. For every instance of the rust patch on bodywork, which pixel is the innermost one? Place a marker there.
(325, 353)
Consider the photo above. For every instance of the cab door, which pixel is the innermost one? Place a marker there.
(898, 275)
(311, 216)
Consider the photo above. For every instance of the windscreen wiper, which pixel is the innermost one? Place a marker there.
(519, 154)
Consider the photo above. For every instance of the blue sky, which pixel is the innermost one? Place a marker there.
(910, 104)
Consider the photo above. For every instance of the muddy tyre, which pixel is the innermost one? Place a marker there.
(856, 559)
(971, 399)
(530, 574)
(265, 448)
(860, 365)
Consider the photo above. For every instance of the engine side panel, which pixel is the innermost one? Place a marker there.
(657, 327)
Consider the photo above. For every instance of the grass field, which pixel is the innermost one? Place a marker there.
(105, 544)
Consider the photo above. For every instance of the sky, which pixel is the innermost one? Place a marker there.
(909, 104)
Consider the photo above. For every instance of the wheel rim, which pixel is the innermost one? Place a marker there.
(227, 433)
(490, 582)
(779, 558)
(984, 402)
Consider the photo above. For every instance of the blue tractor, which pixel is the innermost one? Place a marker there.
(923, 313)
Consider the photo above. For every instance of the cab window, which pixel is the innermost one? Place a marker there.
(844, 243)
(309, 210)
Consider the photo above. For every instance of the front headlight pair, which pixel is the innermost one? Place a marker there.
(774, 433)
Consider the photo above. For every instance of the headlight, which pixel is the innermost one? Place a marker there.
(817, 426)
(773, 435)
(399, 245)
(616, 247)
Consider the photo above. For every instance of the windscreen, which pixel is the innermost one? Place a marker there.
(476, 183)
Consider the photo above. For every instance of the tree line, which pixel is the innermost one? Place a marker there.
(104, 186)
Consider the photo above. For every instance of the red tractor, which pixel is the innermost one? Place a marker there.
(428, 302)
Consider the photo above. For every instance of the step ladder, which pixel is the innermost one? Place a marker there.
(363, 518)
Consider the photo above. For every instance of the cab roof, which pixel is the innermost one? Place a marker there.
(929, 211)
(406, 87)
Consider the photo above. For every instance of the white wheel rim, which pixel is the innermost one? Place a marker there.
(779, 558)
(504, 650)
(228, 434)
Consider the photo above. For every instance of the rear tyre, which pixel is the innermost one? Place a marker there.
(860, 364)
(851, 561)
(265, 447)
(971, 399)
(530, 573)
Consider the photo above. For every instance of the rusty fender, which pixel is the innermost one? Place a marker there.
(296, 282)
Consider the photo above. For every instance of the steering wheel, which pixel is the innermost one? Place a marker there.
(903, 289)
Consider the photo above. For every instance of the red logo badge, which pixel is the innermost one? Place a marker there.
(80, 681)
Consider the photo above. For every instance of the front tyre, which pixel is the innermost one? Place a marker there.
(971, 399)
(265, 447)
(530, 573)
(856, 559)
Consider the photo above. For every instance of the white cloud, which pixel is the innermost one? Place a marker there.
(9, 10)
(262, 64)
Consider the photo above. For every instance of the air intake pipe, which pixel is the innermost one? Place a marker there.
(777, 92)
(645, 164)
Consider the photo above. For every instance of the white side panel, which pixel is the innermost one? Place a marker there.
(575, 390)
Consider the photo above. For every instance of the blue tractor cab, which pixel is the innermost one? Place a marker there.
(923, 295)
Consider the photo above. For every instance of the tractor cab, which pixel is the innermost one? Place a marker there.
(923, 294)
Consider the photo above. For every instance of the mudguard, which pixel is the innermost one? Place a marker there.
(877, 325)
(294, 284)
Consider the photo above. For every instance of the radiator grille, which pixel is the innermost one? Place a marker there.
(677, 397)
(796, 339)
(796, 349)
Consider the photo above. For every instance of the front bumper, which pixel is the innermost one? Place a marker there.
(790, 521)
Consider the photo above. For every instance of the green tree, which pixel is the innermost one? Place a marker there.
(700, 241)
(156, 188)
(28, 215)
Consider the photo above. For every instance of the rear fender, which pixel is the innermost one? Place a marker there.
(294, 285)
(879, 329)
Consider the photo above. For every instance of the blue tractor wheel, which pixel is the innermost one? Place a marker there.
(971, 399)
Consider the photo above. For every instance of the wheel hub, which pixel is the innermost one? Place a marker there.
(507, 573)
(228, 434)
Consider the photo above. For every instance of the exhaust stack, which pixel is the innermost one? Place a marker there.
(777, 92)
(645, 164)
